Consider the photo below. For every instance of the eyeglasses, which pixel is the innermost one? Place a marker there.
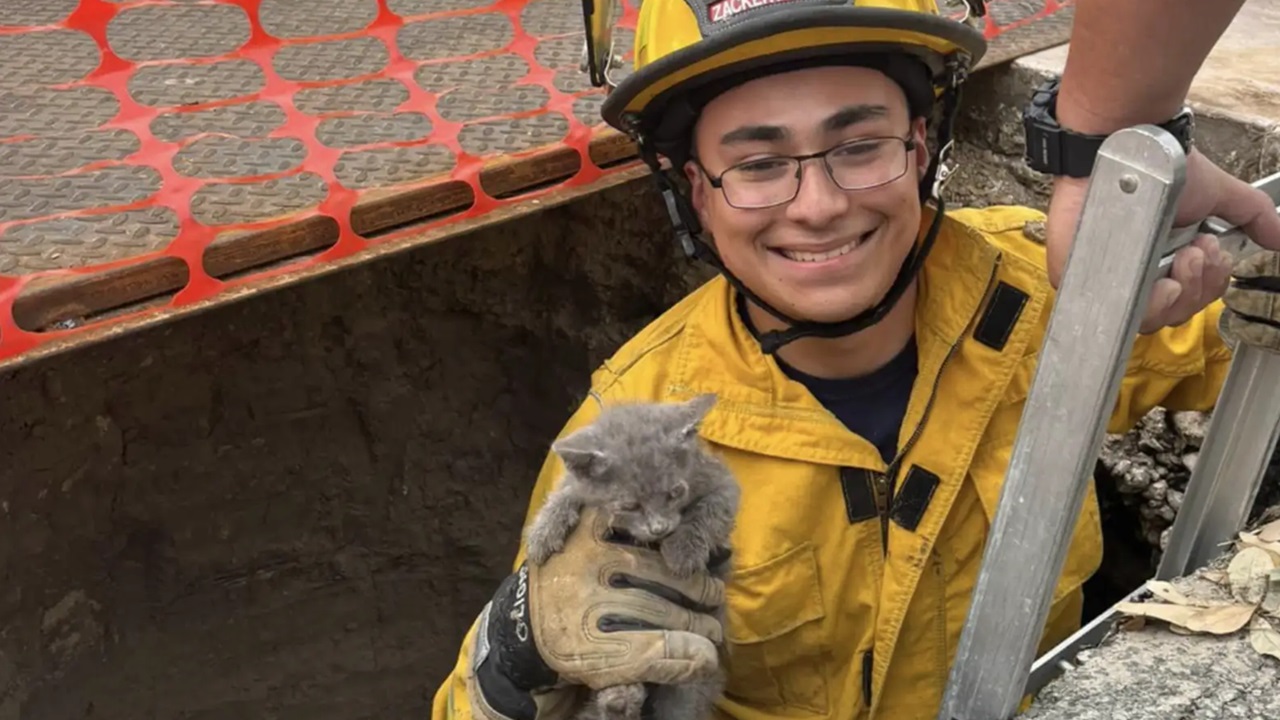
(855, 165)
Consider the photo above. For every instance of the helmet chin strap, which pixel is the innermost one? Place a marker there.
(689, 231)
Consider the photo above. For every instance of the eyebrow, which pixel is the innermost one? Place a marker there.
(841, 119)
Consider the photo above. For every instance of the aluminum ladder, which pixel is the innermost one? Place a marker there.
(1124, 242)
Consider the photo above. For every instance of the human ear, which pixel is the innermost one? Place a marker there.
(697, 188)
(920, 132)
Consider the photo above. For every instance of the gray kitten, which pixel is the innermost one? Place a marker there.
(644, 465)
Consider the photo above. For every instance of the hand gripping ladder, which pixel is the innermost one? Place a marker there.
(1123, 244)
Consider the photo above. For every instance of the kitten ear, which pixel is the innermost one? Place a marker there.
(693, 413)
(581, 455)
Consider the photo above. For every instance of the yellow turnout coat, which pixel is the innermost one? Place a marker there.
(824, 620)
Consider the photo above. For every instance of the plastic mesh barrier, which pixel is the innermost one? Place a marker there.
(155, 154)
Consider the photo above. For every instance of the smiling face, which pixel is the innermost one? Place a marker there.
(830, 253)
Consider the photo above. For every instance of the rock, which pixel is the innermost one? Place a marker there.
(1191, 425)
(1143, 474)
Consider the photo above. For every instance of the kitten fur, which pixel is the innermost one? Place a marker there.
(644, 466)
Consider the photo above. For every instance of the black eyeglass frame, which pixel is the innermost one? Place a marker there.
(717, 181)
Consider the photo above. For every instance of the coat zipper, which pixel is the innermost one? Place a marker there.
(885, 484)
(884, 489)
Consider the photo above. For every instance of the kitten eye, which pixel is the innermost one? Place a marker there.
(677, 492)
(629, 506)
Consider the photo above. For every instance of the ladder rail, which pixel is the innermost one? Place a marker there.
(1218, 487)
(1238, 445)
(1123, 234)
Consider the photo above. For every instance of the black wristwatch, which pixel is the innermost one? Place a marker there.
(1055, 150)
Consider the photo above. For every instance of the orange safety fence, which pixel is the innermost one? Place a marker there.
(164, 152)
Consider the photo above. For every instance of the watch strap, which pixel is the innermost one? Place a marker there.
(1055, 150)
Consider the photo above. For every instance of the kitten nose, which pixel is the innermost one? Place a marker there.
(659, 527)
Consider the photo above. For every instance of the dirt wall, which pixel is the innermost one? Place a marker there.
(293, 506)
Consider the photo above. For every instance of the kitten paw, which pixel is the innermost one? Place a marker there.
(621, 702)
(541, 544)
(685, 556)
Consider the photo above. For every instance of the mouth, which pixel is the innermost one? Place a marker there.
(826, 255)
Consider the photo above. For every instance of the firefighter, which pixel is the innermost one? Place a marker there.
(871, 349)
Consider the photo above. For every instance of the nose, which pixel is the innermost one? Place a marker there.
(819, 200)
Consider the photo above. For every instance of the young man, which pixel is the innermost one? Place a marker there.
(870, 354)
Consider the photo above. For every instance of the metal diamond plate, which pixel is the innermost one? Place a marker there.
(77, 241)
(227, 203)
(46, 57)
(39, 111)
(1010, 11)
(513, 135)
(28, 12)
(381, 167)
(472, 103)
(321, 17)
(226, 157)
(587, 109)
(246, 120)
(26, 198)
(368, 95)
(56, 154)
(503, 69)
(543, 18)
(361, 129)
(192, 84)
(562, 55)
(410, 8)
(170, 32)
(331, 59)
(455, 36)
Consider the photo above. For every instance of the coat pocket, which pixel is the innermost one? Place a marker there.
(777, 645)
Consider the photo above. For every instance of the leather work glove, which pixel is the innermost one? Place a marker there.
(1252, 301)
(598, 613)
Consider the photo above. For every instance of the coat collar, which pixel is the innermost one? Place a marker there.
(761, 409)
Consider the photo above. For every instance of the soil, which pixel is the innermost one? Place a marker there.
(293, 506)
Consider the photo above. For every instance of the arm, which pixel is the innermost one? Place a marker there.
(1132, 62)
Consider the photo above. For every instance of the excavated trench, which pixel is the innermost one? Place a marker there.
(292, 506)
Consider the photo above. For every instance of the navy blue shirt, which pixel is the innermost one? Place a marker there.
(871, 406)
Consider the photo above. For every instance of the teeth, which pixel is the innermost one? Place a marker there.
(798, 256)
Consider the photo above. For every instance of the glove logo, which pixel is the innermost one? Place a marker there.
(520, 607)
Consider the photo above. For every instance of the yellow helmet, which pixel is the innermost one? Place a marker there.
(689, 51)
(686, 50)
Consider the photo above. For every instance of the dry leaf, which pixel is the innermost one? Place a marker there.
(1270, 532)
(1218, 620)
(1165, 590)
(1215, 576)
(1221, 620)
(1264, 638)
(1248, 573)
(1251, 540)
